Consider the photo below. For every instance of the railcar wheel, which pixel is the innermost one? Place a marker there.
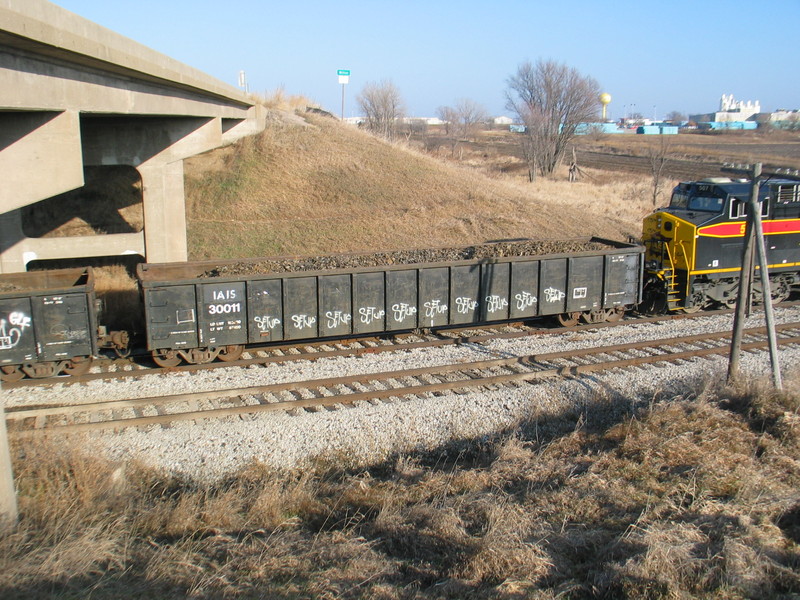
(780, 291)
(230, 353)
(614, 314)
(698, 300)
(78, 365)
(166, 358)
(11, 373)
(568, 319)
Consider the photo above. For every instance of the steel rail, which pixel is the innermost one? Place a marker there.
(468, 372)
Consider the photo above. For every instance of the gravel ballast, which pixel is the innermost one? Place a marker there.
(212, 449)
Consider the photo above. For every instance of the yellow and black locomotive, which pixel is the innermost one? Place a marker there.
(694, 246)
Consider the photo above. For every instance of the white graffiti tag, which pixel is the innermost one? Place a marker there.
(10, 336)
(266, 323)
(525, 300)
(465, 305)
(402, 311)
(433, 308)
(553, 295)
(495, 304)
(303, 321)
(370, 314)
(336, 318)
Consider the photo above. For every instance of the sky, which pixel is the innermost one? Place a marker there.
(651, 57)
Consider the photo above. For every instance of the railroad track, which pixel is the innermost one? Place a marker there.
(389, 386)
(265, 355)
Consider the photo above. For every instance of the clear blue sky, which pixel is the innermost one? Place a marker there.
(659, 56)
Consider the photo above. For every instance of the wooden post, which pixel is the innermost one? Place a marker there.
(766, 288)
(745, 280)
(8, 496)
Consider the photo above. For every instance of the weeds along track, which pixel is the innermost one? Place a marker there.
(137, 366)
(390, 386)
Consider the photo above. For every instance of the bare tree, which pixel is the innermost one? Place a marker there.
(470, 116)
(382, 106)
(659, 156)
(449, 116)
(550, 99)
(675, 117)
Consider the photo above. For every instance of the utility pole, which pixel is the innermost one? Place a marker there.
(754, 236)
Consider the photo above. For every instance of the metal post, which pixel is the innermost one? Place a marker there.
(763, 265)
(343, 102)
(745, 279)
(8, 496)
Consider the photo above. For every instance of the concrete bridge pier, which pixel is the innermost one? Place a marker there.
(156, 148)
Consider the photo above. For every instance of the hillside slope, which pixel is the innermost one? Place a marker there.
(312, 185)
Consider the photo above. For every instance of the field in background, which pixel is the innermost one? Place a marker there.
(690, 155)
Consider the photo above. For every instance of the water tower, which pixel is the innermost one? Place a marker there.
(605, 100)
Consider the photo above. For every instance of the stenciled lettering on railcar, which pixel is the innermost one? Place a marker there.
(337, 318)
(525, 300)
(11, 330)
(65, 332)
(303, 321)
(369, 314)
(495, 304)
(402, 311)
(434, 308)
(464, 305)
(265, 323)
(224, 309)
(223, 295)
(552, 294)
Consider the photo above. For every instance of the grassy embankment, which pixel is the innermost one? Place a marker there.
(314, 185)
(688, 497)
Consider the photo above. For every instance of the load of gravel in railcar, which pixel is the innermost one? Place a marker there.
(490, 250)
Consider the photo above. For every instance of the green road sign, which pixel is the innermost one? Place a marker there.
(343, 72)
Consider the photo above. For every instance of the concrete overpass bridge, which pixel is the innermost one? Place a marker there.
(74, 95)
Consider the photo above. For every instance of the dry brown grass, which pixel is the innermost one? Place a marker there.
(693, 496)
(320, 186)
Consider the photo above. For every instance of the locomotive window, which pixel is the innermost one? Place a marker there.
(706, 203)
(739, 208)
(679, 200)
(786, 193)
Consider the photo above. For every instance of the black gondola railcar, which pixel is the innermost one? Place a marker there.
(47, 323)
(194, 316)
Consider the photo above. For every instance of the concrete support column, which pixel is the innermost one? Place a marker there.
(164, 212)
(8, 495)
(40, 156)
(12, 242)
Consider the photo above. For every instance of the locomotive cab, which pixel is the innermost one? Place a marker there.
(694, 246)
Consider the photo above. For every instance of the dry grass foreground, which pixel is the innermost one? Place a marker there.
(312, 185)
(687, 497)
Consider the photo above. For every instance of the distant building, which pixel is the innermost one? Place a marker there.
(730, 110)
(503, 120)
